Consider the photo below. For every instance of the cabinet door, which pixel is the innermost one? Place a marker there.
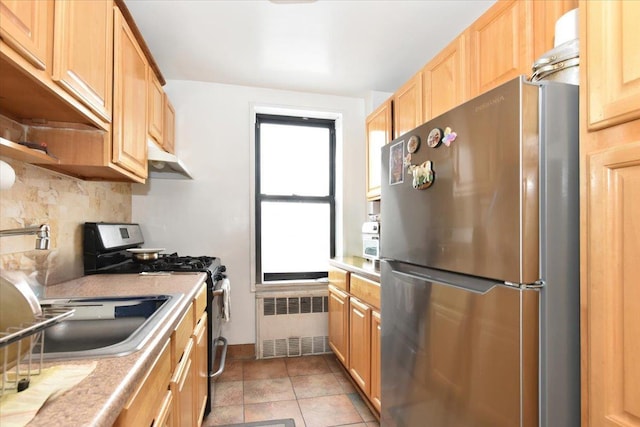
(83, 52)
(376, 339)
(169, 142)
(156, 109)
(182, 386)
(201, 368)
(339, 324)
(379, 127)
(407, 106)
(613, 48)
(609, 206)
(360, 344)
(130, 100)
(25, 25)
(445, 79)
(501, 45)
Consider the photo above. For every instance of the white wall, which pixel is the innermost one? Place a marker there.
(211, 215)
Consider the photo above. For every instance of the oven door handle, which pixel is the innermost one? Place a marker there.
(218, 293)
(223, 356)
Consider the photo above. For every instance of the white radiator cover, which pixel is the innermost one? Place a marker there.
(292, 325)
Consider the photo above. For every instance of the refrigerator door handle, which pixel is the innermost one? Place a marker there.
(468, 283)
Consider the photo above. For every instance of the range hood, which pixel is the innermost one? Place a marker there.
(164, 165)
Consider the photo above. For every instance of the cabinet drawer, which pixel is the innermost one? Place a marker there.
(339, 278)
(199, 303)
(366, 290)
(181, 336)
(142, 407)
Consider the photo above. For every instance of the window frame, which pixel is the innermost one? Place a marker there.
(329, 124)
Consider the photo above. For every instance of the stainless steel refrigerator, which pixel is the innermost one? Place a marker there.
(480, 264)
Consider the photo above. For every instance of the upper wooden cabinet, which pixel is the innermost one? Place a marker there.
(445, 79)
(131, 72)
(156, 109)
(609, 205)
(501, 44)
(613, 48)
(379, 127)
(83, 52)
(25, 26)
(407, 106)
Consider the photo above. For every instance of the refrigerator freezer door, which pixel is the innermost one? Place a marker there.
(480, 215)
(456, 351)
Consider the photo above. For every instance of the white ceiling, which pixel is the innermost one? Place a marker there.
(342, 47)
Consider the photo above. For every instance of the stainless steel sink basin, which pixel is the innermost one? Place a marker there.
(104, 327)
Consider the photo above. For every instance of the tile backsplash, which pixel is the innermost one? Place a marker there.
(40, 196)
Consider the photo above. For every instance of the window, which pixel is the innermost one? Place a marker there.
(295, 197)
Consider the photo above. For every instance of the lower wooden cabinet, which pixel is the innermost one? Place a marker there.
(183, 386)
(355, 331)
(339, 324)
(360, 344)
(174, 390)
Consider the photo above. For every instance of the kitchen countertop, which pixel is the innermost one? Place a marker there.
(99, 398)
(358, 265)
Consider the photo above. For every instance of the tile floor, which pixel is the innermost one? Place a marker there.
(313, 390)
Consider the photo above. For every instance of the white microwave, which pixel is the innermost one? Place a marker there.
(371, 241)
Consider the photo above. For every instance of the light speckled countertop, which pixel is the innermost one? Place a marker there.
(100, 397)
(358, 265)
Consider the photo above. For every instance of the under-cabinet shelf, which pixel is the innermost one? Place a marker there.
(24, 154)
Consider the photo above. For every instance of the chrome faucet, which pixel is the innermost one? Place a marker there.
(42, 232)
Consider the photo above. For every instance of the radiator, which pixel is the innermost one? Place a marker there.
(292, 326)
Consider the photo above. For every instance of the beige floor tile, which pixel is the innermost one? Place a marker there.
(225, 415)
(328, 411)
(333, 362)
(315, 385)
(274, 411)
(361, 407)
(307, 365)
(269, 390)
(228, 393)
(232, 371)
(263, 369)
(345, 382)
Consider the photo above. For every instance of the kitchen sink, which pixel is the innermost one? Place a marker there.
(104, 327)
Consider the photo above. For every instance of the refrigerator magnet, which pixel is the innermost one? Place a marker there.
(449, 136)
(423, 175)
(434, 138)
(413, 144)
(396, 163)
